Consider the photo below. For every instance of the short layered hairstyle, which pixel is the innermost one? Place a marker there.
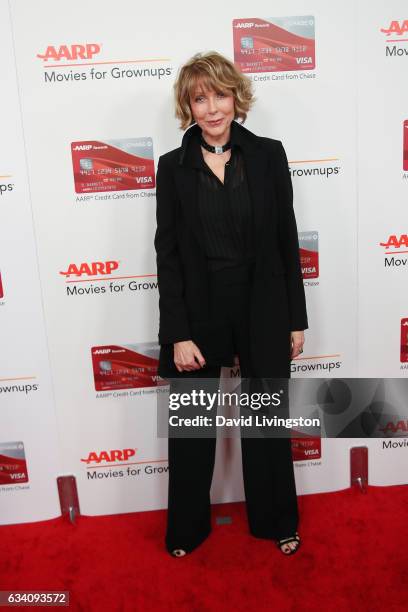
(215, 72)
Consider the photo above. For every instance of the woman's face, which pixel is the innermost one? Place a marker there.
(212, 111)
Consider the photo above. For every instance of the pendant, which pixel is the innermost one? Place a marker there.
(219, 149)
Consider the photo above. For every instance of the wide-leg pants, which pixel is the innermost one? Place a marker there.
(268, 475)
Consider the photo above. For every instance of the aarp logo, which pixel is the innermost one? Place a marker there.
(398, 28)
(70, 52)
(109, 456)
(94, 268)
(395, 241)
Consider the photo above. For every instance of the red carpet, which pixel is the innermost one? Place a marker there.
(353, 557)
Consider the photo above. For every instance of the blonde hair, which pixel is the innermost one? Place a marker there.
(216, 72)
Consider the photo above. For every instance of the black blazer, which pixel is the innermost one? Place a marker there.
(278, 299)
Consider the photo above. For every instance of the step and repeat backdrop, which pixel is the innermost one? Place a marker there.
(87, 109)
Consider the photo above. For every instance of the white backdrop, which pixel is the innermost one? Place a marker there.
(28, 432)
(96, 72)
(382, 208)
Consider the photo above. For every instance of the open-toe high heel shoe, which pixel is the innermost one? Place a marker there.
(282, 543)
(178, 552)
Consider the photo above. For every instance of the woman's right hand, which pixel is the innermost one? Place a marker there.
(187, 356)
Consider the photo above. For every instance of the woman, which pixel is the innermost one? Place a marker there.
(230, 283)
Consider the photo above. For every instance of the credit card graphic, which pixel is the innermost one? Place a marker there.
(405, 146)
(404, 340)
(306, 448)
(309, 254)
(13, 466)
(127, 366)
(275, 44)
(113, 165)
(1, 288)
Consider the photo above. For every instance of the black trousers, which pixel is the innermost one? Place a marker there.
(268, 475)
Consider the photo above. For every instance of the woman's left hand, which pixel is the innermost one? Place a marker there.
(297, 340)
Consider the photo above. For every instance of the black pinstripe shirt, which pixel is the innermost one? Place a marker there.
(225, 209)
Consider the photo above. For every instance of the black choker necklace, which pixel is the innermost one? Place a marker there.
(217, 149)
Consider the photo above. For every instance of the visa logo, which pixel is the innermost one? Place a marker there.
(304, 60)
(17, 476)
(70, 52)
(144, 179)
(308, 270)
(313, 451)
